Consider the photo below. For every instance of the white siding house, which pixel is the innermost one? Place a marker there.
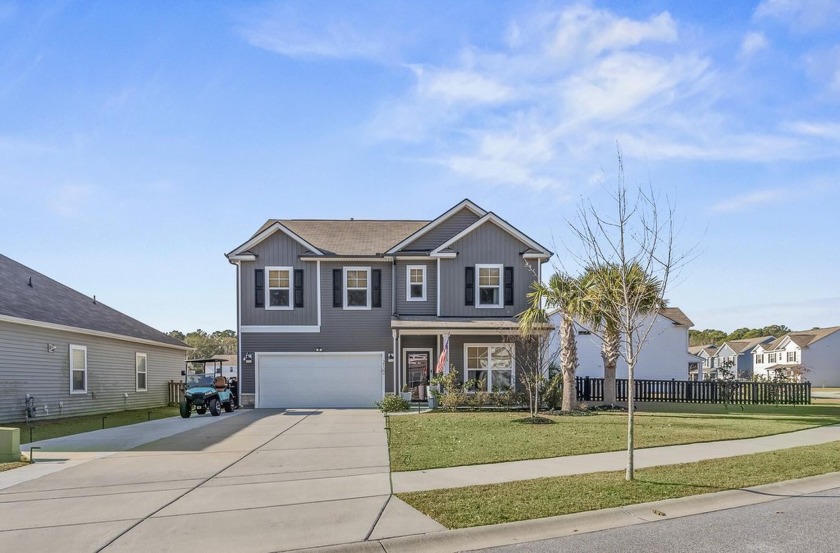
(817, 350)
(663, 357)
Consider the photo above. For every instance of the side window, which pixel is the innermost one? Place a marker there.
(141, 371)
(278, 292)
(415, 285)
(488, 285)
(78, 369)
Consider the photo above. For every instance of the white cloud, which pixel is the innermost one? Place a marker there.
(820, 129)
(461, 86)
(747, 201)
(753, 42)
(70, 199)
(802, 15)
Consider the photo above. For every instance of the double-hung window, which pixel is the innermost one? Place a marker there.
(791, 357)
(357, 288)
(759, 358)
(141, 370)
(78, 369)
(278, 293)
(415, 285)
(491, 366)
(489, 285)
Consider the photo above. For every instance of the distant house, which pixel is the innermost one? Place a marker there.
(664, 355)
(739, 354)
(706, 354)
(73, 355)
(817, 350)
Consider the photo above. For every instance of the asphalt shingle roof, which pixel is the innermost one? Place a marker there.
(676, 314)
(49, 301)
(350, 237)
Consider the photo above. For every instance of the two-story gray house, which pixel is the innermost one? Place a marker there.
(337, 313)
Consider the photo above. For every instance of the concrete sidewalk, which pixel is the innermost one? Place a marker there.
(496, 473)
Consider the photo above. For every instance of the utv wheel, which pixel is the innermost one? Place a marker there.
(229, 405)
(201, 410)
(185, 408)
(215, 407)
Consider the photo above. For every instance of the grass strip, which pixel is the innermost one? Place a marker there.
(45, 429)
(546, 497)
(437, 440)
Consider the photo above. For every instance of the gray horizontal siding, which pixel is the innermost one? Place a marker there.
(279, 251)
(444, 231)
(428, 307)
(341, 330)
(487, 244)
(27, 367)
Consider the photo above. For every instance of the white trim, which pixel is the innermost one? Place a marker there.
(258, 355)
(72, 348)
(345, 289)
(501, 286)
(388, 259)
(239, 354)
(318, 289)
(430, 368)
(443, 255)
(280, 329)
(535, 256)
(512, 349)
(396, 355)
(408, 257)
(492, 217)
(438, 220)
(267, 233)
(456, 331)
(88, 332)
(290, 288)
(242, 257)
(408, 283)
(137, 356)
(437, 313)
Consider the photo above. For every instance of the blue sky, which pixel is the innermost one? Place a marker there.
(138, 145)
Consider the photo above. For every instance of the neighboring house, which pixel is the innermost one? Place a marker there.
(663, 356)
(738, 354)
(816, 350)
(706, 354)
(336, 313)
(74, 355)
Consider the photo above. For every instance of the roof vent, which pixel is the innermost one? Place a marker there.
(30, 282)
(94, 298)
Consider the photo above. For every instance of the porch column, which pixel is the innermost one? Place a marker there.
(398, 364)
(396, 360)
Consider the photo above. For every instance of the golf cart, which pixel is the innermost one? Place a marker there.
(205, 388)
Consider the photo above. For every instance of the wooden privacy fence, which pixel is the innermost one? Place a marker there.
(176, 391)
(689, 391)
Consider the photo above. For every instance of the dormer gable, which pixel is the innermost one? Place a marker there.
(430, 236)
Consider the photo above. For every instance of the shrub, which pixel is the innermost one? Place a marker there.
(392, 403)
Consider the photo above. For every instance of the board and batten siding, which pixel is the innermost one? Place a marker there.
(28, 367)
(444, 231)
(279, 251)
(427, 307)
(358, 330)
(491, 245)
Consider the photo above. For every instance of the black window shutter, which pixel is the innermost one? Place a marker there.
(376, 287)
(469, 286)
(259, 288)
(508, 285)
(338, 301)
(298, 287)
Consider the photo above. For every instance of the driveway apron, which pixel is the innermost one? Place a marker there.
(261, 481)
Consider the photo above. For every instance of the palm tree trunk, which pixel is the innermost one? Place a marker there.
(609, 354)
(568, 363)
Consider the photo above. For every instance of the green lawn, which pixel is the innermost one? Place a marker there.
(545, 497)
(436, 440)
(55, 428)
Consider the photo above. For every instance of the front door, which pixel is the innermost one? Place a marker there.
(417, 377)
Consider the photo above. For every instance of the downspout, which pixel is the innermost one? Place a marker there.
(394, 287)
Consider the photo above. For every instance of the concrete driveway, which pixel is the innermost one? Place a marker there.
(259, 481)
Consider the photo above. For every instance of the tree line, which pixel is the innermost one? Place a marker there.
(219, 342)
(718, 337)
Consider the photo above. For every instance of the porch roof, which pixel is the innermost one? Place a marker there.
(455, 323)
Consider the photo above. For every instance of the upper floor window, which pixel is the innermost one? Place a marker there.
(357, 287)
(78, 369)
(489, 285)
(141, 371)
(771, 357)
(791, 356)
(415, 286)
(759, 358)
(279, 290)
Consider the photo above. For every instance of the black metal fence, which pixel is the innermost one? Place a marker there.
(711, 391)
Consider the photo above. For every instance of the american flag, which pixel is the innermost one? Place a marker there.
(443, 355)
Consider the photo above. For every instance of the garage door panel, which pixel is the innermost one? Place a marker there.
(319, 380)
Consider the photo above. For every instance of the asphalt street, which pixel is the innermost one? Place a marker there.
(804, 523)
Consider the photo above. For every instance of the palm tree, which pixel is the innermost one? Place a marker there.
(602, 309)
(562, 291)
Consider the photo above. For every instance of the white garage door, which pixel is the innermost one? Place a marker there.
(288, 380)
